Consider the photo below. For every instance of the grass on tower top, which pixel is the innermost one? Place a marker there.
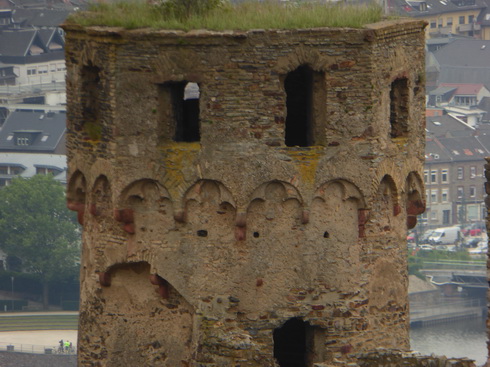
(226, 16)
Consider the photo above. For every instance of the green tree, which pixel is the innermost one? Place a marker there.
(36, 227)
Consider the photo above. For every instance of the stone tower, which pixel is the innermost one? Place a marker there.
(245, 196)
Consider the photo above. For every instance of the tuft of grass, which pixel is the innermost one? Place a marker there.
(225, 16)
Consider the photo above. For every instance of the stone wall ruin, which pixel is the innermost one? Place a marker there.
(245, 196)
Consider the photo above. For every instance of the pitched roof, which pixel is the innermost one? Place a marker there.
(447, 126)
(18, 42)
(464, 89)
(464, 148)
(44, 131)
(464, 53)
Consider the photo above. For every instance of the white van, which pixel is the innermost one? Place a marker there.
(446, 236)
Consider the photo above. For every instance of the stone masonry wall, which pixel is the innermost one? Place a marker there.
(218, 252)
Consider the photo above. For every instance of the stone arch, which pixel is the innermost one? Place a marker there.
(76, 194)
(145, 206)
(415, 203)
(210, 209)
(276, 208)
(140, 302)
(101, 197)
(297, 343)
(338, 210)
(385, 206)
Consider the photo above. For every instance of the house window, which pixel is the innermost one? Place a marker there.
(399, 108)
(179, 111)
(299, 85)
(444, 176)
(460, 192)
(433, 215)
(4, 170)
(444, 195)
(446, 215)
(52, 68)
(439, 23)
(22, 141)
(449, 22)
(472, 191)
(42, 69)
(433, 24)
(472, 172)
(460, 173)
(461, 19)
(433, 196)
(433, 176)
(4, 182)
(426, 176)
(60, 66)
(471, 19)
(31, 71)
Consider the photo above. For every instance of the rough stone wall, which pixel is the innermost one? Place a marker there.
(201, 253)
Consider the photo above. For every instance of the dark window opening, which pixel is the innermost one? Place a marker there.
(256, 234)
(299, 103)
(179, 103)
(292, 344)
(90, 100)
(326, 234)
(202, 233)
(399, 108)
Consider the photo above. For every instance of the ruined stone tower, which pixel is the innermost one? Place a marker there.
(245, 196)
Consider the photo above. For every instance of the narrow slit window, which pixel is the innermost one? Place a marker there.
(179, 111)
(299, 103)
(399, 108)
(90, 90)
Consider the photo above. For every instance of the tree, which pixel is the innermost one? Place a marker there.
(36, 227)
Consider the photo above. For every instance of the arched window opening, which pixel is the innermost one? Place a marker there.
(399, 108)
(179, 111)
(299, 103)
(294, 344)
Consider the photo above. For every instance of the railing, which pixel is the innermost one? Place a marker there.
(36, 349)
(446, 310)
(456, 265)
(31, 88)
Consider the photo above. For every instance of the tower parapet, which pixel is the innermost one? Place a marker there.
(245, 196)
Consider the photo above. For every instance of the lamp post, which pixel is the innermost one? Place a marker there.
(12, 279)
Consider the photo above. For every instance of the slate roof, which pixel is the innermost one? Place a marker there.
(45, 130)
(464, 148)
(435, 152)
(17, 43)
(49, 35)
(464, 89)
(464, 62)
(447, 126)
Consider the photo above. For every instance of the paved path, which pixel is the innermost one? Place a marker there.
(48, 338)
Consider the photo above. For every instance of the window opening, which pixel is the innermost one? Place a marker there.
(182, 99)
(399, 108)
(293, 344)
(91, 89)
(299, 103)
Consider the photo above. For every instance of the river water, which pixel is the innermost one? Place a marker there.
(453, 339)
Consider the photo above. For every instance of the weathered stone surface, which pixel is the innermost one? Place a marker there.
(205, 253)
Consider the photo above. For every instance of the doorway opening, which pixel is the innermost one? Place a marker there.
(293, 344)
